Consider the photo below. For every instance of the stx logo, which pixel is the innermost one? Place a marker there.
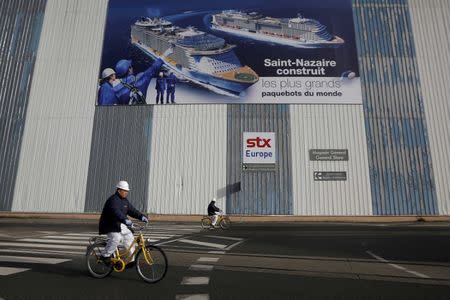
(258, 143)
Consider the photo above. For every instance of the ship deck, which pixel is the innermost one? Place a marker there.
(243, 74)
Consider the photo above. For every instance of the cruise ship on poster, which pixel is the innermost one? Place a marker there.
(202, 58)
(298, 32)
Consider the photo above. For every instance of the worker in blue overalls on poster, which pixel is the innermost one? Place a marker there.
(160, 88)
(133, 88)
(106, 93)
(170, 90)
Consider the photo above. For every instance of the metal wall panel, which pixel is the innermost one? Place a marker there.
(259, 193)
(120, 150)
(21, 25)
(329, 127)
(431, 27)
(54, 158)
(400, 165)
(187, 158)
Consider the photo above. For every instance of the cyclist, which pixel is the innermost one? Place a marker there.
(114, 222)
(213, 212)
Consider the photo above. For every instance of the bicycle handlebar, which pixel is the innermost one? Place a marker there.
(135, 227)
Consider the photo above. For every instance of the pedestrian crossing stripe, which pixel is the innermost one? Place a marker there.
(38, 248)
(72, 243)
(4, 271)
(32, 260)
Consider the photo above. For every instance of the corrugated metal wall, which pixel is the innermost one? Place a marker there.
(55, 150)
(178, 157)
(400, 166)
(329, 127)
(187, 158)
(120, 149)
(21, 24)
(431, 27)
(261, 192)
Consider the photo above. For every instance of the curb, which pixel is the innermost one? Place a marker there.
(237, 218)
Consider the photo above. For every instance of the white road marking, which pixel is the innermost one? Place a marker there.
(168, 242)
(397, 266)
(160, 237)
(9, 271)
(50, 241)
(177, 229)
(195, 280)
(233, 245)
(47, 246)
(201, 267)
(208, 259)
(192, 297)
(87, 236)
(82, 234)
(217, 252)
(69, 240)
(36, 260)
(151, 240)
(37, 251)
(212, 245)
(59, 237)
(225, 237)
(163, 234)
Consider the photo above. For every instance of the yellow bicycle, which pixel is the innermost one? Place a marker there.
(223, 221)
(151, 261)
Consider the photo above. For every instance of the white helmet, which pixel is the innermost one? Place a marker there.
(161, 74)
(107, 72)
(213, 199)
(123, 185)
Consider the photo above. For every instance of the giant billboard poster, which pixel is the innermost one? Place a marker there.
(233, 51)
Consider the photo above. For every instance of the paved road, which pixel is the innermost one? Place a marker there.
(43, 259)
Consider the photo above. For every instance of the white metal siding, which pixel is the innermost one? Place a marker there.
(188, 158)
(21, 26)
(431, 28)
(329, 127)
(55, 151)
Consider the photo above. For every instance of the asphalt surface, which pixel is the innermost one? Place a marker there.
(248, 261)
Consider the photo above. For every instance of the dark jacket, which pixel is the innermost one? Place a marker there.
(171, 82)
(115, 212)
(212, 209)
(160, 84)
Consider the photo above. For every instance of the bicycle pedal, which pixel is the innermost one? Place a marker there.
(105, 260)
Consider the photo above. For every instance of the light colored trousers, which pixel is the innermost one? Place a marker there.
(125, 237)
(215, 217)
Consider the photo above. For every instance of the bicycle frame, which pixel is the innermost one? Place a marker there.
(219, 218)
(120, 260)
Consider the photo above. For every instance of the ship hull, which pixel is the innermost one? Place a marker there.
(200, 78)
(278, 40)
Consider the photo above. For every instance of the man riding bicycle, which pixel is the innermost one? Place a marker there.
(114, 222)
(213, 212)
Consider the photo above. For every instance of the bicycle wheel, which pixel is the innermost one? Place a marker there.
(152, 268)
(225, 223)
(206, 223)
(96, 267)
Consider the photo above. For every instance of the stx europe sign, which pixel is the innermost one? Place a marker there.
(258, 148)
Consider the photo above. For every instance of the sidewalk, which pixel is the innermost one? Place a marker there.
(237, 218)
